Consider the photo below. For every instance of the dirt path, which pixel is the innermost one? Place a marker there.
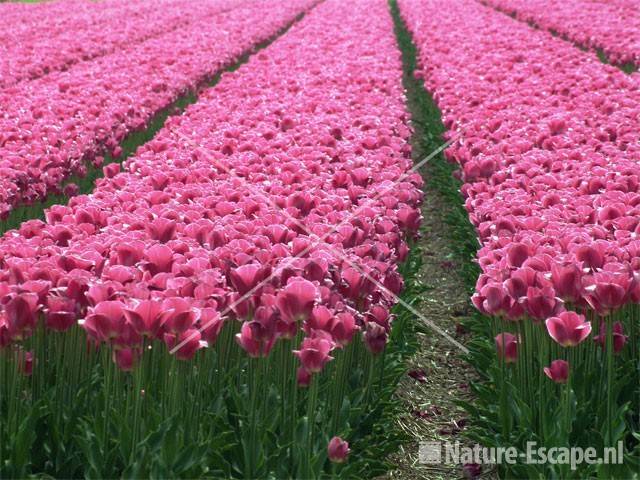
(438, 374)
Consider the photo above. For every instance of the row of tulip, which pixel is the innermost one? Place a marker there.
(546, 138)
(241, 269)
(52, 127)
(69, 32)
(611, 28)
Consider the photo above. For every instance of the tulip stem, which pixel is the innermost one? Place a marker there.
(503, 398)
(253, 385)
(311, 419)
(609, 353)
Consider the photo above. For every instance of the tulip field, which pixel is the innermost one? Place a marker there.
(210, 220)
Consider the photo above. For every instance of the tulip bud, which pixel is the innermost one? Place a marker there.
(338, 450)
(26, 363)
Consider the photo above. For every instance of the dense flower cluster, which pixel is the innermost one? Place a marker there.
(51, 127)
(613, 28)
(282, 199)
(549, 154)
(67, 32)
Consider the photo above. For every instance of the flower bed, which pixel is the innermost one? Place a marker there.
(612, 28)
(52, 127)
(548, 152)
(236, 277)
(63, 33)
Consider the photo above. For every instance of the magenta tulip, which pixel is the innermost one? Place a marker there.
(60, 313)
(568, 329)
(338, 450)
(256, 339)
(507, 346)
(295, 302)
(147, 316)
(558, 371)
(314, 352)
(619, 338)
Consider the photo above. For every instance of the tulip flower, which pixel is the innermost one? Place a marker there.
(147, 316)
(211, 324)
(375, 337)
(338, 450)
(256, 339)
(558, 371)
(125, 358)
(619, 338)
(343, 327)
(295, 302)
(248, 277)
(21, 314)
(187, 342)
(314, 352)
(507, 347)
(180, 314)
(568, 329)
(60, 313)
(107, 319)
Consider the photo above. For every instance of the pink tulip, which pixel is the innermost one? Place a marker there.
(162, 229)
(211, 324)
(125, 358)
(338, 450)
(107, 319)
(21, 314)
(321, 318)
(256, 339)
(619, 338)
(558, 371)
(295, 302)
(248, 277)
(187, 343)
(568, 329)
(567, 281)
(314, 352)
(60, 314)
(179, 313)
(147, 316)
(507, 347)
(160, 258)
(343, 327)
